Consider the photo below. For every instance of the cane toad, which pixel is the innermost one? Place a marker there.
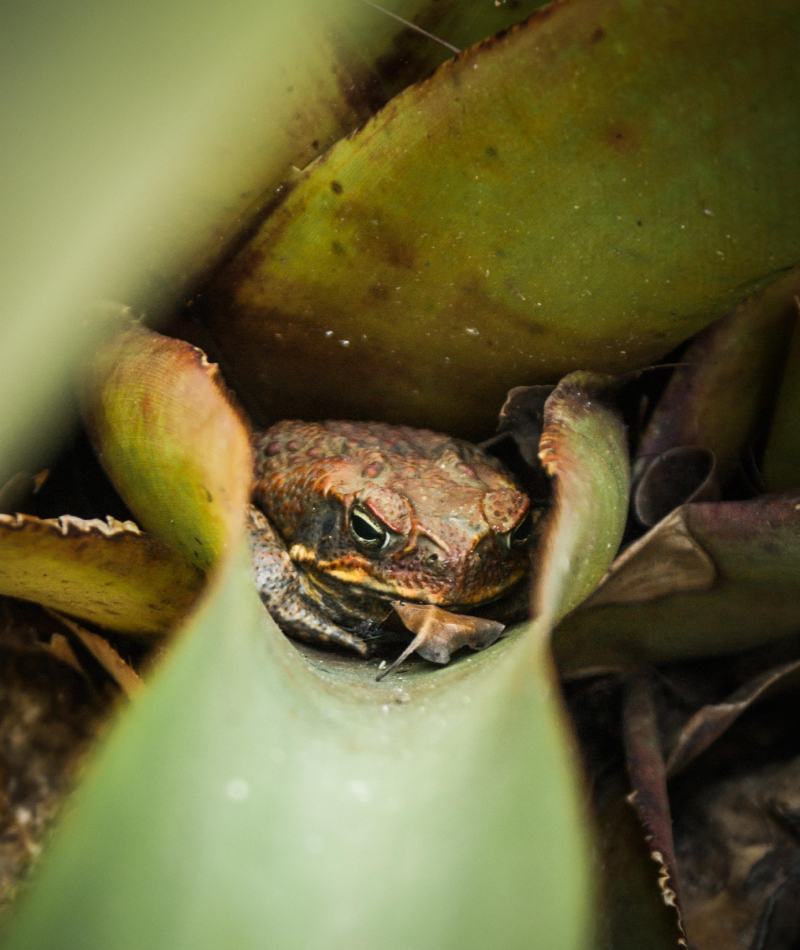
(350, 516)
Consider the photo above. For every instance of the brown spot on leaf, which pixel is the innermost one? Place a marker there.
(378, 291)
(621, 138)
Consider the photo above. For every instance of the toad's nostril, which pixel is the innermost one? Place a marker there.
(434, 563)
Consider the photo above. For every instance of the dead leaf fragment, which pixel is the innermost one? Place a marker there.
(667, 560)
(121, 672)
(710, 721)
(440, 633)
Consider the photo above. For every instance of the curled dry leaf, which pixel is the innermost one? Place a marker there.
(753, 598)
(106, 572)
(679, 476)
(742, 352)
(522, 417)
(440, 633)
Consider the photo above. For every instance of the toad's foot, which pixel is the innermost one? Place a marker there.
(278, 582)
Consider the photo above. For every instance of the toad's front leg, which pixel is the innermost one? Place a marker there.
(279, 584)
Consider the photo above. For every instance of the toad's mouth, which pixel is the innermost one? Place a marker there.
(352, 592)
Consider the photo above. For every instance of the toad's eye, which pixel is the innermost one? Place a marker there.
(368, 533)
(519, 536)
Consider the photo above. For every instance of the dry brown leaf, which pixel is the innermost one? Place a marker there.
(440, 633)
(121, 672)
(710, 721)
(677, 477)
(59, 648)
(666, 560)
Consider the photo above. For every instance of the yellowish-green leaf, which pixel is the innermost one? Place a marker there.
(578, 193)
(105, 572)
(171, 441)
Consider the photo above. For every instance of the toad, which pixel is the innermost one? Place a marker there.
(349, 517)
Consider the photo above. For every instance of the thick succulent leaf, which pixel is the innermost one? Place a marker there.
(782, 454)
(399, 54)
(748, 595)
(584, 449)
(253, 797)
(591, 212)
(171, 441)
(108, 573)
(743, 353)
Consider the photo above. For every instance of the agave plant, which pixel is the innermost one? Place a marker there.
(559, 205)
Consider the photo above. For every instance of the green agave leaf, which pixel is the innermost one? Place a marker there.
(584, 448)
(251, 799)
(579, 192)
(255, 797)
(108, 573)
(730, 583)
(171, 441)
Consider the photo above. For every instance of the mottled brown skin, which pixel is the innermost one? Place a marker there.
(349, 516)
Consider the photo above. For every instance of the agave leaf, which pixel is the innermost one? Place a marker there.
(255, 794)
(734, 567)
(170, 440)
(105, 572)
(590, 213)
(250, 796)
